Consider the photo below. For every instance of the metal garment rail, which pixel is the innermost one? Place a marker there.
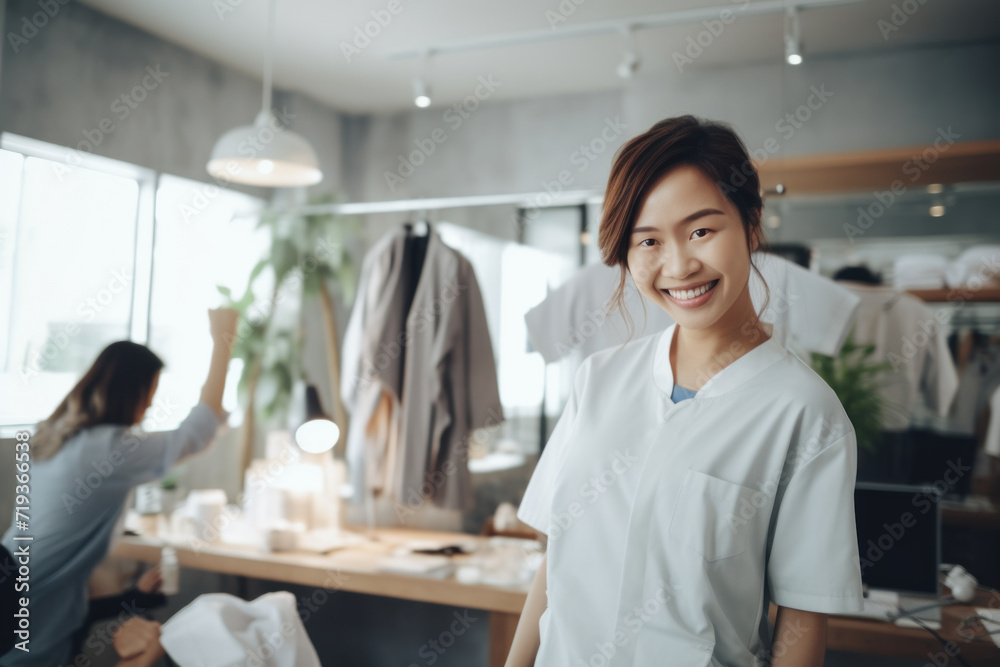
(526, 200)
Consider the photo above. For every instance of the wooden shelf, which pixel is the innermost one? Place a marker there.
(962, 162)
(957, 294)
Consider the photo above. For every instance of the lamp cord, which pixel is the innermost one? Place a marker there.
(269, 57)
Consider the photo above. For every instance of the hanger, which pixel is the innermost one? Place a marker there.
(419, 227)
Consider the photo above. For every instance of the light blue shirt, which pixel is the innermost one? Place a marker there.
(76, 499)
(679, 394)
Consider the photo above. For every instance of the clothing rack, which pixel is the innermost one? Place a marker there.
(521, 200)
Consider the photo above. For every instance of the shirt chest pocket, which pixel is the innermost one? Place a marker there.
(710, 516)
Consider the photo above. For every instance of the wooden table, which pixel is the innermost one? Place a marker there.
(354, 570)
(875, 637)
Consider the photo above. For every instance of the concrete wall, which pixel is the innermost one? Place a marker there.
(868, 101)
(60, 84)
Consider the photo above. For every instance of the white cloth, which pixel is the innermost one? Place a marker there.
(807, 310)
(907, 335)
(976, 267)
(992, 443)
(672, 526)
(221, 630)
(919, 272)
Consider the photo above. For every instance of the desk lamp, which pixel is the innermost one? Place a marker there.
(318, 433)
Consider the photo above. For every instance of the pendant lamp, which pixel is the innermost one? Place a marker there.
(266, 153)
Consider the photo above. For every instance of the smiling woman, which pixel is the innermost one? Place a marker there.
(676, 201)
(742, 488)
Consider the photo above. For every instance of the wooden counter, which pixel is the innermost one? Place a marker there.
(354, 570)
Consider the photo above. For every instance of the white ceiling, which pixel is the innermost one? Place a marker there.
(309, 59)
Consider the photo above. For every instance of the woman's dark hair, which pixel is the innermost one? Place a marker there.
(858, 274)
(640, 164)
(112, 391)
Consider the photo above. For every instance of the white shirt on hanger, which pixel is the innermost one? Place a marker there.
(672, 526)
(992, 443)
(907, 335)
(808, 310)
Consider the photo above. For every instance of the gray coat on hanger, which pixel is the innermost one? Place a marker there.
(436, 360)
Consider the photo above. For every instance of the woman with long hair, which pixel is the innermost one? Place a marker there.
(698, 474)
(85, 458)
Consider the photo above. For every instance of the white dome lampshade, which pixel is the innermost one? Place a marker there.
(265, 154)
(318, 433)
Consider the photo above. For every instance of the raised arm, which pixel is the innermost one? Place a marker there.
(526, 637)
(222, 322)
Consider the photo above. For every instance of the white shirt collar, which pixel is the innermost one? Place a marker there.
(736, 373)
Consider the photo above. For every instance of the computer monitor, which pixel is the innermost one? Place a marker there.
(942, 460)
(899, 537)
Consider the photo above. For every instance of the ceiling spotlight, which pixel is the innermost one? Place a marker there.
(937, 210)
(793, 38)
(935, 188)
(630, 63)
(421, 93)
(628, 66)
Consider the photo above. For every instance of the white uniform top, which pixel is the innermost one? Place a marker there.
(672, 526)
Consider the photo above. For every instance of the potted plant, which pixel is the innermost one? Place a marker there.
(307, 253)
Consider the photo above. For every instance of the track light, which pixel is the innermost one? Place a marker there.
(630, 63)
(421, 93)
(793, 37)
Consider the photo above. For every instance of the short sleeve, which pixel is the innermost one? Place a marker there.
(821, 312)
(149, 456)
(536, 505)
(813, 563)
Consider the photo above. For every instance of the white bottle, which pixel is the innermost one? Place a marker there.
(170, 571)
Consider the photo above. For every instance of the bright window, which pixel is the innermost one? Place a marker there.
(205, 237)
(69, 254)
(94, 250)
